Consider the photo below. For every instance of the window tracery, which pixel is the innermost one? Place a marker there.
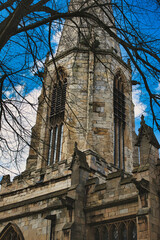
(105, 234)
(11, 232)
(119, 121)
(115, 233)
(57, 117)
(97, 235)
(123, 230)
(132, 231)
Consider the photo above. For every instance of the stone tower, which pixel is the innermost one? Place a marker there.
(90, 62)
(81, 182)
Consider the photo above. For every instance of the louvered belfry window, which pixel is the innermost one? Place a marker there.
(119, 121)
(56, 119)
(58, 101)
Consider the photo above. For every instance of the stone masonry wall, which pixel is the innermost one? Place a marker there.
(89, 106)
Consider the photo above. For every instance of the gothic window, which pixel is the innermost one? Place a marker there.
(132, 231)
(11, 232)
(105, 234)
(57, 118)
(115, 233)
(97, 237)
(120, 230)
(58, 101)
(123, 232)
(119, 121)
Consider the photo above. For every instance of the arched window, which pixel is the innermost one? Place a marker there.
(132, 231)
(114, 233)
(123, 232)
(58, 101)
(57, 118)
(105, 234)
(11, 232)
(119, 121)
(97, 235)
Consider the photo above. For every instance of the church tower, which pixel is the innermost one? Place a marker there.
(86, 96)
(80, 182)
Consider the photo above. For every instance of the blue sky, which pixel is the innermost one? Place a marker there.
(145, 16)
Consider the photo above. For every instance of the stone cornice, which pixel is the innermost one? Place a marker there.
(33, 200)
(31, 213)
(85, 50)
(143, 211)
(37, 185)
(113, 203)
(123, 218)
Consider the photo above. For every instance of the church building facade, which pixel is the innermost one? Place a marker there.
(88, 175)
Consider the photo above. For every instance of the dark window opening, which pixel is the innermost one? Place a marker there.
(58, 101)
(55, 145)
(132, 231)
(97, 237)
(119, 121)
(121, 230)
(52, 233)
(105, 234)
(11, 232)
(57, 118)
(115, 233)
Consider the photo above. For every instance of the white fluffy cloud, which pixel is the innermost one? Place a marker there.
(39, 65)
(140, 107)
(12, 162)
(56, 37)
(158, 88)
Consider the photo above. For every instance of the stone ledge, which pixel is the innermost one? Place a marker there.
(92, 181)
(110, 204)
(143, 211)
(100, 187)
(142, 168)
(31, 213)
(111, 220)
(14, 192)
(68, 226)
(33, 200)
(85, 50)
(117, 174)
(127, 180)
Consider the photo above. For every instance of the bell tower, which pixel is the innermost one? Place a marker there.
(87, 95)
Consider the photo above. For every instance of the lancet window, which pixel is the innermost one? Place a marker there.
(57, 118)
(132, 231)
(105, 234)
(115, 233)
(119, 121)
(123, 232)
(11, 232)
(97, 235)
